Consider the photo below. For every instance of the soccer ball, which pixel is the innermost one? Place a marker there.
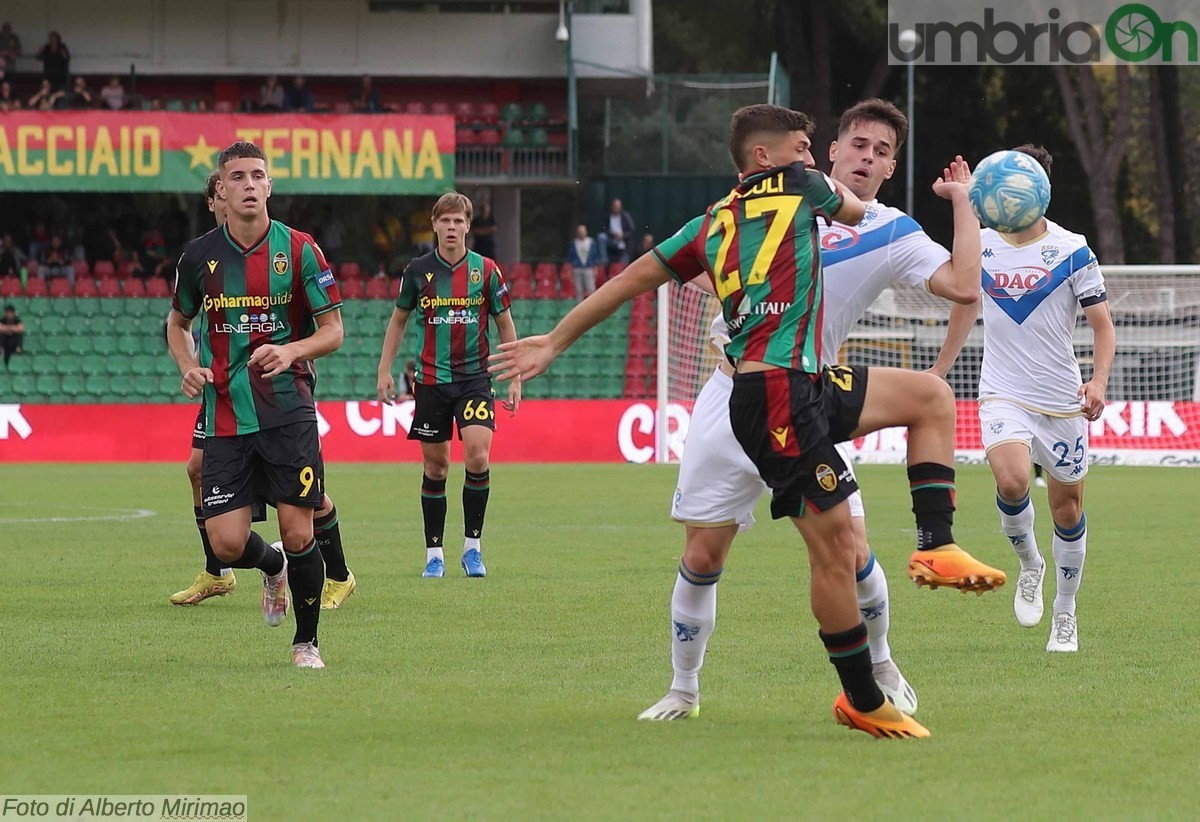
(1009, 191)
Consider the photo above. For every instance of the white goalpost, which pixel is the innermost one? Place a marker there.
(1153, 411)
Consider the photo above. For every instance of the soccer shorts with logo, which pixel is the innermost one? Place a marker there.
(258, 509)
(281, 464)
(1058, 444)
(784, 421)
(437, 408)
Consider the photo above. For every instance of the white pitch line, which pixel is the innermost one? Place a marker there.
(121, 514)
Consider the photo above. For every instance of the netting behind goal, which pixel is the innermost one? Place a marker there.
(1156, 310)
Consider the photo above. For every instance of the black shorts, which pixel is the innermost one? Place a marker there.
(258, 509)
(280, 464)
(787, 423)
(437, 407)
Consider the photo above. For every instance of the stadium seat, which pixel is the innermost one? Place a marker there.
(133, 287)
(145, 386)
(510, 112)
(10, 287)
(82, 272)
(158, 287)
(108, 288)
(79, 344)
(129, 345)
(97, 386)
(59, 287)
(31, 268)
(349, 271)
(85, 287)
(51, 325)
(538, 138)
(35, 287)
(351, 289)
(545, 290)
(489, 137)
(71, 387)
(514, 138)
(47, 385)
(640, 346)
(536, 113)
(121, 386)
(521, 290)
(54, 345)
(465, 136)
(440, 107)
(377, 289)
(414, 107)
(464, 112)
(142, 364)
(104, 270)
(125, 270)
(489, 112)
(23, 386)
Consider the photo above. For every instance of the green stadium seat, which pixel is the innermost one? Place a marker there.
(47, 384)
(536, 113)
(169, 386)
(79, 343)
(24, 364)
(54, 345)
(116, 364)
(97, 386)
(334, 387)
(22, 386)
(145, 386)
(88, 306)
(36, 307)
(105, 344)
(176, 105)
(538, 138)
(71, 386)
(51, 325)
(121, 386)
(142, 364)
(129, 345)
(510, 112)
(514, 138)
(91, 364)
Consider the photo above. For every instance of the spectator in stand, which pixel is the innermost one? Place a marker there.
(153, 251)
(619, 233)
(367, 99)
(79, 96)
(55, 262)
(43, 99)
(483, 229)
(8, 102)
(12, 333)
(12, 259)
(270, 95)
(406, 385)
(202, 105)
(584, 255)
(113, 94)
(10, 48)
(298, 98)
(56, 61)
(39, 238)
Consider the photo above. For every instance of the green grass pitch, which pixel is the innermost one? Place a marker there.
(514, 697)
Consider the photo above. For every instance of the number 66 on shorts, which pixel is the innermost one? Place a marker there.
(438, 408)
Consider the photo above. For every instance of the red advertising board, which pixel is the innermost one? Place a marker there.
(1143, 433)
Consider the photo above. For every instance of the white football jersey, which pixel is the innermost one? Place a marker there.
(887, 247)
(1030, 295)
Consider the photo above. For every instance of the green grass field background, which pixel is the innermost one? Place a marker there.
(514, 697)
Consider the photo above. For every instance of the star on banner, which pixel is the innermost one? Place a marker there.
(201, 154)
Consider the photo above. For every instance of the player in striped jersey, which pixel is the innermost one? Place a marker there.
(455, 293)
(268, 306)
(758, 245)
(216, 579)
(1033, 403)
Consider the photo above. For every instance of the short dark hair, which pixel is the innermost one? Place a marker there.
(875, 111)
(762, 119)
(1039, 153)
(210, 187)
(453, 203)
(240, 150)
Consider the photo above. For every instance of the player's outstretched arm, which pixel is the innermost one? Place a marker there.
(852, 210)
(508, 333)
(275, 359)
(528, 357)
(179, 343)
(1091, 393)
(962, 320)
(385, 385)
(958, 279)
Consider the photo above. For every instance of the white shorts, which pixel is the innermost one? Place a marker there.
(718, 484)
(1058, 444)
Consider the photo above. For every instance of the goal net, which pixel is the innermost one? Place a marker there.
(1153, 411)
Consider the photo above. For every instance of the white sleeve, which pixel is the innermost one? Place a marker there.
(718, 333)
(1086, 278)
(914, 257)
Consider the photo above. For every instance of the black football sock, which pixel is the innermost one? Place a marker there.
(932, 487)
(475, 499)
(306, 578)
(329, 540)
(850, 653)
(211, 564)
(258, 554)
(433, 510)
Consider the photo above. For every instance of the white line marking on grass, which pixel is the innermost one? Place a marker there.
(113, 515)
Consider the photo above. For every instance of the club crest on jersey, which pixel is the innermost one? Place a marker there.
(212, 266)
(1049, 254)
(280, 263)
(838, 236)
(1015, 284)
(870, 215)
(476, 276)
(826, 478)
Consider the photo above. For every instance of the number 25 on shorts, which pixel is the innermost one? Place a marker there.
(476, 410)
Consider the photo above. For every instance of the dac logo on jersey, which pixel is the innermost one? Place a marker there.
(1050, 254)
(838, 236)
(476, 276)
(1015, 284)
(826, 478)
(212, 266)
(280, 263)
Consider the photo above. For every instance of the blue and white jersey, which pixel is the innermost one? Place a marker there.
(887, 247)
(1030, 294)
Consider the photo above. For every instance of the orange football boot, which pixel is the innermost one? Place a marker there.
(953, 567)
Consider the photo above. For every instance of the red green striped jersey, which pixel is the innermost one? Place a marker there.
(451, 306)
(267, 294)
(760, 246)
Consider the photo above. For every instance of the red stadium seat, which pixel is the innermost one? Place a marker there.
(125, 270)
(521, 289)
(566, 289)
(393, 287)
(342, 107)
(545, 290)
(108, 288)
(349, 271)
(85, 287)
(545, 272)
(414, 107)
(464, 112)
(439, 107)
(158, 287)
(518, 272)
(10, 286)
(104, 270)
(81, 269)
(489, 137)
(640, 326)
(59, 287)
(35, 287)
(465, 137)
(223, 107)
(351, 289)
(377, 289)
(640, 345)
(133, 287)
(489, 112)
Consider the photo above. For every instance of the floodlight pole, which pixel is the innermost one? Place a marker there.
(908, 149)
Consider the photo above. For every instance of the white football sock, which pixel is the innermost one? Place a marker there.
(872, 591)
(693, 617)
(1070, 549)
(431, 553)
(1016, 520)
(470, 543)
